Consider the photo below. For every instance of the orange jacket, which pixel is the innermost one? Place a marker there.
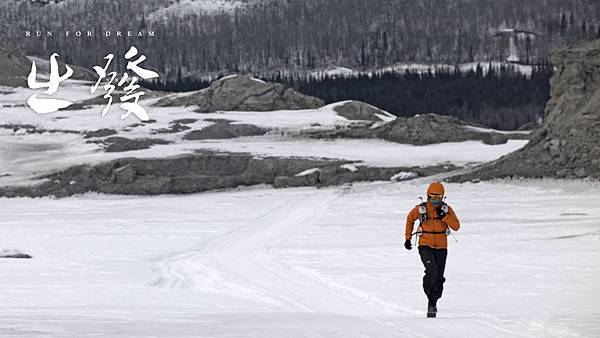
(438, 241)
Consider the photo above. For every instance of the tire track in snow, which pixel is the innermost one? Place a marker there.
(189, 269)
(245, 257)
(238, 263)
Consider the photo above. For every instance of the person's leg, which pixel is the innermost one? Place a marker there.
(439, 255)
(431, 271)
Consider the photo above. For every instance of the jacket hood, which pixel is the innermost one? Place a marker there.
(435, 188)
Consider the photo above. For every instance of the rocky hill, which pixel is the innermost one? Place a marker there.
(14, 68)
(418, 130)
(567, 145)
(243, 93)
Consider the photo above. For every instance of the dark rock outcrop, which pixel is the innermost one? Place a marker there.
(225, 130)
(17, 255)
(432, 128)
(202, 172)
(117, 144)
(31, 129)
(79, 72)
(420, 130)
(243, 93)
(356, 110)
(13, 254)
(567, 144)
(14, 68)
(173, 128)
(100, 133)
(336, 175)
(184, 121)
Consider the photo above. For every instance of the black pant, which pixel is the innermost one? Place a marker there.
(434, 261)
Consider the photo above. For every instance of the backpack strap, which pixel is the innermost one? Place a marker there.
(422, 213)
(423, 218)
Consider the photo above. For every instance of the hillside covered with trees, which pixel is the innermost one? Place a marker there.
(306, 34)
(287, 40)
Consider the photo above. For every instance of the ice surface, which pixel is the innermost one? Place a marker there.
(302, 262)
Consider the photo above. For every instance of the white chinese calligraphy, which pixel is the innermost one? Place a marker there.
(44, 106)
(129, 89)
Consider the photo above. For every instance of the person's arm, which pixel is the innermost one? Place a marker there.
(413, 215)
(451, 220)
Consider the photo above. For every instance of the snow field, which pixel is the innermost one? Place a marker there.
(300, 262)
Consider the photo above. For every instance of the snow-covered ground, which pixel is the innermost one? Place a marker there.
(24, 155)
(182, 8)
(301, 262)
(372, 152)
(259, 262)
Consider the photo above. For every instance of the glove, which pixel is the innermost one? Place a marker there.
(441, 213)
(408, 244)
